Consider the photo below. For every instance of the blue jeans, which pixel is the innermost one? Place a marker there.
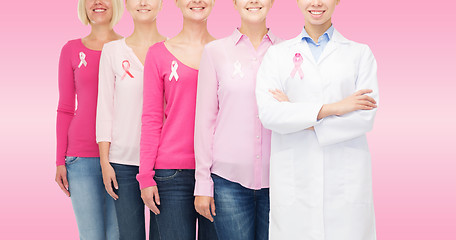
(178, 217)
(241, 213)
(130, 206)
(92, 205)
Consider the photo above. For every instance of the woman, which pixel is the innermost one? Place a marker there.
(78, 163)
(320, 162)
(119, 117)
(166, 173)
(231, 146)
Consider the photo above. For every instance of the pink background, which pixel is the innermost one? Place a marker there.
(412, 144)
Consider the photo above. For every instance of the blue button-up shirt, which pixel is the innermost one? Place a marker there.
(317, 48)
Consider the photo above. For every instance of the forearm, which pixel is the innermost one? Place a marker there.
(327, 110)
(104, 152)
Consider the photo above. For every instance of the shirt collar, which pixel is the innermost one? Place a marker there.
(329, 33)
(237, 36)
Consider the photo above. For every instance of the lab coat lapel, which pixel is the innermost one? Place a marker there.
(329, 49)
(303, 48)
(332, 46)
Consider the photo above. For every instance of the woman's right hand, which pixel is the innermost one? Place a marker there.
(109, 179)
(357, 101)
(205, 206)
(61, 179)
(151, 198)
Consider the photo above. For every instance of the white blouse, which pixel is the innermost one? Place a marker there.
(120, 97)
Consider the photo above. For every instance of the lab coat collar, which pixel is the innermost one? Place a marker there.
(236, 36)
(336, 39)
(329, 33)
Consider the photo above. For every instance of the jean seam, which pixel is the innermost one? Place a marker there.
(166, 178)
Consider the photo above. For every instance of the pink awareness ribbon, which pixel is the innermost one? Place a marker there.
(82, 57)
(174, 74)
(126, 68)
(297, 60)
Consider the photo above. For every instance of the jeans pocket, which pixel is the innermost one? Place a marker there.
(165, 174)
(71, 160)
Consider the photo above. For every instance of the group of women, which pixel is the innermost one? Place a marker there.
(239, 138)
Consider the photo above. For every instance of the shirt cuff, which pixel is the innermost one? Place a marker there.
(145, 180)
(60, 161)
(204, 188)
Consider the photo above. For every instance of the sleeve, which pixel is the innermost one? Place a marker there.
(336, 129)
(206, 115)
(152, 119)
(281, 117)
(105, 103)
(66, 105)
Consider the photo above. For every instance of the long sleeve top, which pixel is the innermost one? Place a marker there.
(230, 140)
(78, 81)
(120, 97)
(167, 131)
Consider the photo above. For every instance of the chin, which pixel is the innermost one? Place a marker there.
(198, 18)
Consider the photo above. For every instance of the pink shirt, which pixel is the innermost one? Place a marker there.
(78, 77)
(230, 140)
(166, 144)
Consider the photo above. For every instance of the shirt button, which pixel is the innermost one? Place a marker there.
(257, 156)
(255, 59)
(258, 137)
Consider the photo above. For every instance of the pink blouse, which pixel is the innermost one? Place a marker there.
(230, 140)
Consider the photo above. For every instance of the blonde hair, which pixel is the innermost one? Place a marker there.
(117, 12)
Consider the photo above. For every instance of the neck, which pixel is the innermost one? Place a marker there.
(145, 34)
(195, 32)
(102, 33)
(255, 32)
(316, 31)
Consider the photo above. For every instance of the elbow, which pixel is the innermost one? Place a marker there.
(65, 111)
(273, 126)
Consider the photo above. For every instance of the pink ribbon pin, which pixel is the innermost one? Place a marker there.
(126, 68)
(297, 60)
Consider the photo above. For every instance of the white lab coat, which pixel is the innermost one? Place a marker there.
(321, 181)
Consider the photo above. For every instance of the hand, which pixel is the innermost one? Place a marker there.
(61, 179)
(356, 101)
(205, 205)
(148, 195)
(279, 95)
(109, 179)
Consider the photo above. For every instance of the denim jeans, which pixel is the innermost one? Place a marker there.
(241, 213)
(130, 206)
(178, 217)
(92, 205)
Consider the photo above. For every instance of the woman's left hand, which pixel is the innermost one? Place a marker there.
(279, 95)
